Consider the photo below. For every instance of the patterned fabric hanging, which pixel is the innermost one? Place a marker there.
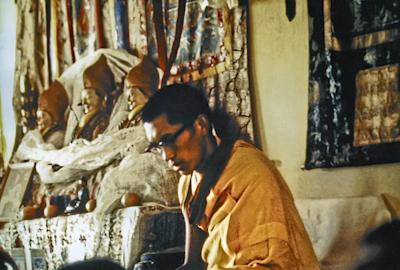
(354, 101)
(205, 47)
(84, 27)
(121, 23)
(212, 49)
(137, 27)
(65, 43)
(212, 53)
(31, 73)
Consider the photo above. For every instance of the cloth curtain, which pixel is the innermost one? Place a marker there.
(52, 35)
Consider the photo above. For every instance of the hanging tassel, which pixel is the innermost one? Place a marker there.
(290, 9)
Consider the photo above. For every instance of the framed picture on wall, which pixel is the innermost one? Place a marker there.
(13, 189)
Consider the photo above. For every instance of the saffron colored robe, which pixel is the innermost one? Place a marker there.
(251, 218)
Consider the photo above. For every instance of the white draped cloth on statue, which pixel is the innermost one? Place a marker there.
(82, 157)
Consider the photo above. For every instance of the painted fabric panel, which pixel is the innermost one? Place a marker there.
(354, 105)
(212, 54)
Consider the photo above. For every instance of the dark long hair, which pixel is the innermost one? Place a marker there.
(228, 131)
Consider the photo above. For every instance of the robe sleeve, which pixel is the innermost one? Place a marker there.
(256, 226)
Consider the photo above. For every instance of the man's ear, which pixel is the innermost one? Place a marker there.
(202, 123)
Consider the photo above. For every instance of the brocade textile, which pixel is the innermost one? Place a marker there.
(122, 236)
(354, 100)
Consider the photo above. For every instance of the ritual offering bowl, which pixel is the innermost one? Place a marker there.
(90, 205)
(130, 199)
(30, 212)
(51, 210)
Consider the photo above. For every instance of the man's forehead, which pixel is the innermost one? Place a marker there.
(150, 130)
(158, 127)
(161, 120)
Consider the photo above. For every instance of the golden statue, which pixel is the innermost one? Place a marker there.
(50, 115)
(98, 81)
(140, 84)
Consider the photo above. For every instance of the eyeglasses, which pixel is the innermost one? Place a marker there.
(168, 140)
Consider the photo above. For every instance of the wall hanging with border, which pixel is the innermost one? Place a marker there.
(354, 103)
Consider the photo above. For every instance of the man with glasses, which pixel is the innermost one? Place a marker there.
(239, 212)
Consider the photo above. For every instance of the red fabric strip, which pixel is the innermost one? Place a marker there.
(160, 35)
(177, 40)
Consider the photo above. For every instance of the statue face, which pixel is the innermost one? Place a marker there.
(90, 101)
(134, 96)
(44, 121)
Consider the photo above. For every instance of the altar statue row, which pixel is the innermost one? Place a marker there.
(90, 146)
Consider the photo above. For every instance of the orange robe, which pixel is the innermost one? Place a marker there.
(251, 218)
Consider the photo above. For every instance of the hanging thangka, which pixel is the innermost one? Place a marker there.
(354, 103)
(212, 53)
